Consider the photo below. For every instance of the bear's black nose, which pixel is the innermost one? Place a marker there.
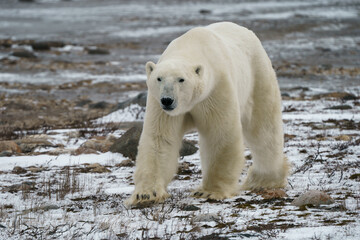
(167, 101)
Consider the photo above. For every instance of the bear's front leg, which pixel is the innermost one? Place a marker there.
(221, 161)
(156, 162)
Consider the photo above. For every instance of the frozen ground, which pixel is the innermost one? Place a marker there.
(62, 198)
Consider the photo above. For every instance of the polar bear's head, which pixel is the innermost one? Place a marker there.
(177, 86)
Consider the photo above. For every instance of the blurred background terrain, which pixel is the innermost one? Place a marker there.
(65, 62)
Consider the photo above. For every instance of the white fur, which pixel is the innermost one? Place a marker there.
(230, 95)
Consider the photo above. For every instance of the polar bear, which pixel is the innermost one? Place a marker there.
(219, 80)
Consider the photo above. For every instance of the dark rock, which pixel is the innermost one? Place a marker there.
(285, 94)
(335, 95)
(18, 170)
(188, 148)
(304, 89)
(99, 105)
(313, 197)
(140, 99)
(26, 1)
(40, 46)
(349, 97)
(127, 144)
(190, 208)
(204, 11)
(340, 107)
(98, 51)
(6, 153)
(355, 176)
(24, 54)
(46, 45)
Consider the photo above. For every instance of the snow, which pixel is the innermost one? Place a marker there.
(97, 210)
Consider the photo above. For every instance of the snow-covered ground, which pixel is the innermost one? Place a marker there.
(61, 198)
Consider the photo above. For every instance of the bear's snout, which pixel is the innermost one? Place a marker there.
(167, 103)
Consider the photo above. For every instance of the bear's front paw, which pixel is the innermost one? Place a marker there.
(201, 193)
(146, 197)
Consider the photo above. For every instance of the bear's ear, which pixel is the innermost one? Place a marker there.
(199, 70)
(150, 66)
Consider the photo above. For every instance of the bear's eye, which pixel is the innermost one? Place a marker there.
(159, 79)
(181, 80)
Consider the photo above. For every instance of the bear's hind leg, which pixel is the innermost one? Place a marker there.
(264, 135)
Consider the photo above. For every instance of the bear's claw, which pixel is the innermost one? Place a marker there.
(210, 195)
(146, 197)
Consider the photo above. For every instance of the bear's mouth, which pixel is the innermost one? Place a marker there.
(168, 108)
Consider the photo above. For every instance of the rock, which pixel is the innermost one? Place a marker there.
(97, 168)
(337, 95)
(343, 138)
(140, 99)
(49, 207)
(9, 146)
(46, 45)
(355, 176)
(83, 150)
(6, 153)
(285, 95)
(313, 197)
(41, 46)
(340, 107)
(98, 145)
(99, 105)
(18, 170)
(188, 148)
(303, 89)
(29, 144)
(24, 54)
(126, 163)
(190, 208)
(349, 97)
(98, 51)
(127, 144)
(204, 11)
(210, 217)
